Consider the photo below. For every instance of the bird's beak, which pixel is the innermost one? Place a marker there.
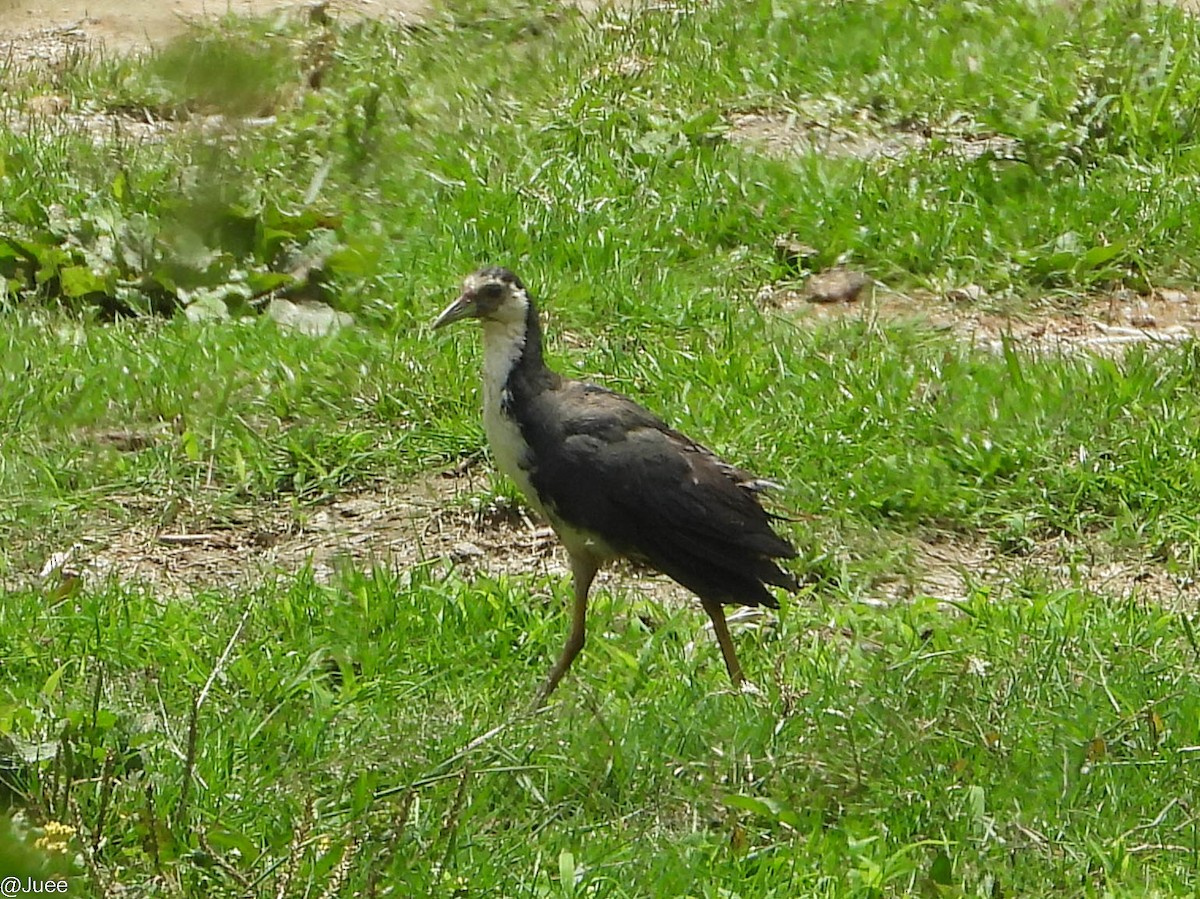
(463, 307)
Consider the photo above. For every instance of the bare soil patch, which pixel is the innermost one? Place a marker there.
(822, 129)
(36, 35)
(449, 519)
(952, 568)
(1105, 324)
(184, 547)
(43, 30)
(441, 518)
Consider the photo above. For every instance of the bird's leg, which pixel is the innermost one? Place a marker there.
(583, 571)
(717, 613)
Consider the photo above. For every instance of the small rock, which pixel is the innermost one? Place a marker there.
(1170, 295)
(202, 305)
(322, 521)
(837, 285)
(309, 317)
(464, 551)
(970, 293)
(1143, 320)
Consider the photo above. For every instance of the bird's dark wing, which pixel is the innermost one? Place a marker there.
(610, 467)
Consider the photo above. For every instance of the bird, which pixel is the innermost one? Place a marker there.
(614, 480)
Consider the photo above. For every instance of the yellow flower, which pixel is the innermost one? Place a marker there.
(56, 837)
(58, 829)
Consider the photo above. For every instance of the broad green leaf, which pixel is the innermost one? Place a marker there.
(51, 683)
(79, 280)
(941, 871)
(1098, 256)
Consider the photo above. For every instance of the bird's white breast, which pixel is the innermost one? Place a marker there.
(509, 448)
(502, 346)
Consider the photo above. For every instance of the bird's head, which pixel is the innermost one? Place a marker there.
(491, 294)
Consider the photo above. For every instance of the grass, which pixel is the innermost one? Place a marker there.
(1040, 741)
(360, 734)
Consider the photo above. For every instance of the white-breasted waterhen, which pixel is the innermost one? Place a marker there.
(612, 479)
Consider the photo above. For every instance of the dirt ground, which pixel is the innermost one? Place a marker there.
(443, 519)
(124, 25)
(1106, 324)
